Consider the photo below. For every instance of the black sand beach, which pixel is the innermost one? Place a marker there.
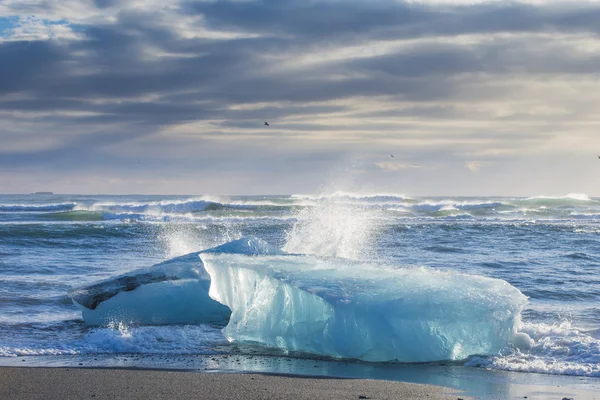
(20, 383)
(90, 383)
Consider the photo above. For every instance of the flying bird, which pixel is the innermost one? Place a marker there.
(598, 156)
(391, 155)
(267, 124)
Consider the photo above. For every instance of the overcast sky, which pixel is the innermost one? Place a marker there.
(162, 96)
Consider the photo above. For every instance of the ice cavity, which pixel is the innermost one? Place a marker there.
(172, 292)
(340, 308)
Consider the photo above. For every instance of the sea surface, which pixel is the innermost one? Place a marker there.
(547, 247)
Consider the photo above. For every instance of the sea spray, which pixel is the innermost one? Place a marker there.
(333, 228)
(178, 239)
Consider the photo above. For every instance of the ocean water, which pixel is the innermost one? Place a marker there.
(547, 247)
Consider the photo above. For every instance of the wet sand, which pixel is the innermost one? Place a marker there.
(18, 383)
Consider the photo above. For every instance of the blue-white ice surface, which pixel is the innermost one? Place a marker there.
(172, 292)
(326, 306)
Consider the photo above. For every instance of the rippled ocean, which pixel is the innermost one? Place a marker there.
(547, 247)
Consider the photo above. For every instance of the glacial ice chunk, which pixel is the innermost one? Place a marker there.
(172, 292)
(341, 308)
(326, 306)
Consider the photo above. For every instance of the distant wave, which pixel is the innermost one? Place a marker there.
(573, 207)
(341, 195)
(456, 205)
(181, 206)
(90, 216)
(43, 233)
(36, 207)
(78, 215)
(572, 199)
(573, 196)
(174, 206)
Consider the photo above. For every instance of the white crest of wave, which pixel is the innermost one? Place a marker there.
(578, 196)
(344, 195)
(155, 205)
(574, 196)
(449, 207)
(331, 228)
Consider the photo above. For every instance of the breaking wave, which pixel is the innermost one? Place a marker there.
(561, 208)
(559, 349)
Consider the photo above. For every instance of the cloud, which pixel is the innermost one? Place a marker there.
(474, 166)
(27, 28)
(86, 83)
(397, 166)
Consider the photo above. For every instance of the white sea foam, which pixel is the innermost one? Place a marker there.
(558, 349)
(8, 351)
(120, 338)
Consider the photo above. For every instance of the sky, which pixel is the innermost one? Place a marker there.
(472, 98)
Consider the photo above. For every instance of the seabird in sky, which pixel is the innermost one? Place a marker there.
(391, 155)
(266, 123)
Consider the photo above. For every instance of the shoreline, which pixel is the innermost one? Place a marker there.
(117, 383)
(24, 378)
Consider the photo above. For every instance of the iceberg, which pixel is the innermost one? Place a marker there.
(172, 292)
(321, 305)
(341, 308)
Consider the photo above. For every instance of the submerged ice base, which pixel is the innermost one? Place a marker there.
(340, 308)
